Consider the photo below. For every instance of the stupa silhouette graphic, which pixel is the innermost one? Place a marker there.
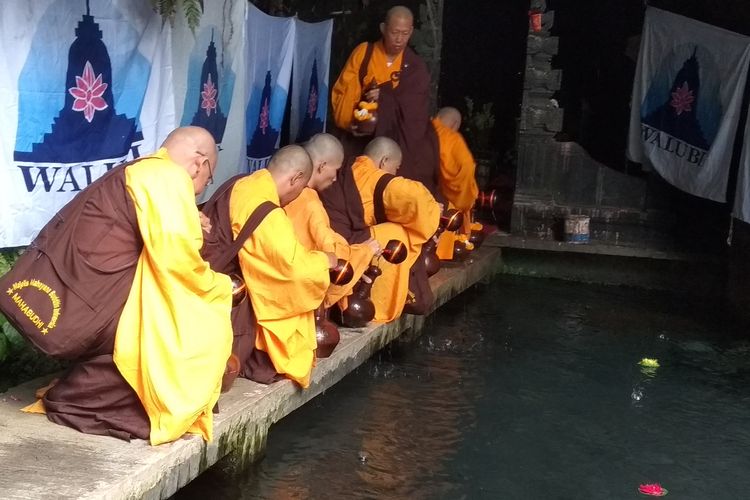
(209, 114)
(87, 128)
(263, 142)
(678, 115)
(311, 124)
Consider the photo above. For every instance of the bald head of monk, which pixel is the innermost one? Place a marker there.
(327, 155)
(385, 153)
(450, 117)
(194, 149)
(397, 29)
(291, 168)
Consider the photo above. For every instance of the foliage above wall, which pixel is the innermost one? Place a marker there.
(193, 10)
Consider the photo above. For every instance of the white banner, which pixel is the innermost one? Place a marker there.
(312, 56)
(85, 87)
(209, 68)
(686, 101)
(270, 49)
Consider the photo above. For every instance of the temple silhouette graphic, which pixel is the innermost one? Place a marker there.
(263, 141)
(311, 124)
(87, 128)
(208, 114)
(678, 115)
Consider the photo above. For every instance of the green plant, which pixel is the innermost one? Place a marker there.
(478, 124)
(193, 10)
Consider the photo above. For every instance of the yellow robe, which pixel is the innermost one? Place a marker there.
(174, 335)
(313, 229)
(457, 181)
(347, 91)
(286, 282)
(413, 216)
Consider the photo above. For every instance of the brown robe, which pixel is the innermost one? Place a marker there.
(92, 396)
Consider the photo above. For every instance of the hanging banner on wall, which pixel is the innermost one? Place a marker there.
(686, 101)
(742, 193)
(312, 55)
(270, 49)
(209, 73)
(85, 87)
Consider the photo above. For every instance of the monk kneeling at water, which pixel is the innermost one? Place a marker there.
(152, 347)
(372, 200)
(311, 222)
(286, 282)
(456, 179)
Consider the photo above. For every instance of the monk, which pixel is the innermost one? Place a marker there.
(286, 282)
(154, 370)
(402, 91)
(310, 220)
(410, 214)
(456, 175)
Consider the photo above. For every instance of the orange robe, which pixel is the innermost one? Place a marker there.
(413, 216)
(313, 229)
(457, 181)
(174, 335)
(286, 282)
(347, 91)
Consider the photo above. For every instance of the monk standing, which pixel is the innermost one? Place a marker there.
(401, 84)
(156, 352)
(310, 220)
(456, 175)
(286, 282)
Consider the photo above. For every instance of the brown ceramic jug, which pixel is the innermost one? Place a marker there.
(450, 220)
(326, 333)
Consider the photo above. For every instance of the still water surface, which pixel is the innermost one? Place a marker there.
(525, 389)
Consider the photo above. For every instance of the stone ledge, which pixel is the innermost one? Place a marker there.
(43, 460)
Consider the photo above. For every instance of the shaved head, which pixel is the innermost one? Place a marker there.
(194, 149)
(291, 169)
(385, 153)
(396, 29)
(324, 147)
(450, 117)
(327, 155)
(399, 11)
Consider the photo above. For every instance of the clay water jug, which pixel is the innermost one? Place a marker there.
(360, 309)
(326, 333)
(369, 107)
(450, 220)
(342, 273)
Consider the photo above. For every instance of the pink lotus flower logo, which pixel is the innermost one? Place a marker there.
(682, 99)
(88, 93)
(312, 103)
(653, 490)
(208, 96)
(264, 117)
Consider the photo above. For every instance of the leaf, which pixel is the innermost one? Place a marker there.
(193, 12)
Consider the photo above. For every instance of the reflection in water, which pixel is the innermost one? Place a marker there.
(525, 389)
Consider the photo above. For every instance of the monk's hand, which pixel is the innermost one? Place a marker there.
(205, 222)
(333, 261)
(373, 95)
(374, 246)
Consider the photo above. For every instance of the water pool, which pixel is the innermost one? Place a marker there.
(525, 389)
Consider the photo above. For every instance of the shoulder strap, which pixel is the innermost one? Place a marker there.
(365, 63)
(214, 199)
(377, 197)
(252, 223)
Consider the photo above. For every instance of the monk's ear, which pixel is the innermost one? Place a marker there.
(382, 29)
(320, 166)
(298, 176)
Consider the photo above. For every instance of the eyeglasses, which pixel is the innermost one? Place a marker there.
(210, 170)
